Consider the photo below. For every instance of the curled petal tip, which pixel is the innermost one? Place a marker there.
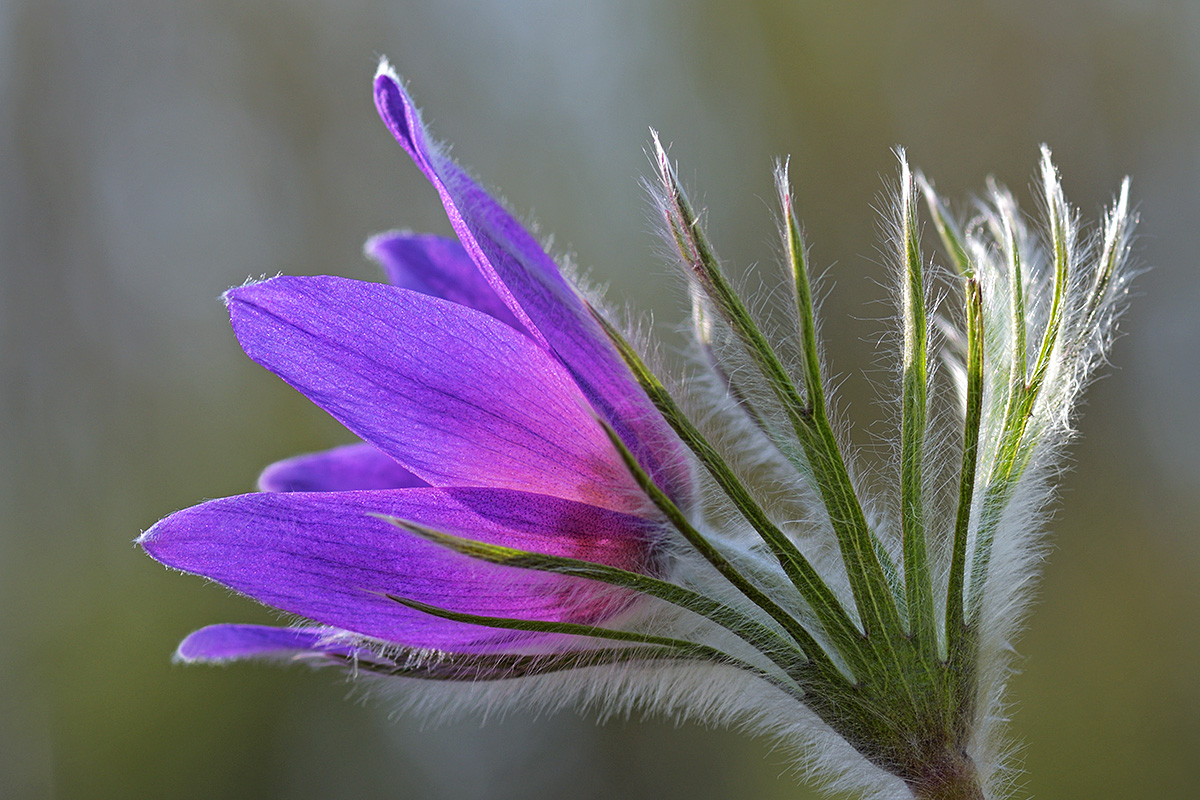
(385, 70)
(400, 115)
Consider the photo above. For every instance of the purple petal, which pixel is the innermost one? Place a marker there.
(456, 397)
(218, 644)
(440, 267)
(529, 282)
(232, 642)
(325, 557)
(348, 468)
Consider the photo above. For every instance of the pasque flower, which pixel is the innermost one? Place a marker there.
(532, 516)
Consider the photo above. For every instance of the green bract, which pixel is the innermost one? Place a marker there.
(897, 645)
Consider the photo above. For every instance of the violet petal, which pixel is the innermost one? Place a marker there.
(230, 642)
(347, 468)
(325, 557)
(456, 397)
(529, 282)
(440, 267)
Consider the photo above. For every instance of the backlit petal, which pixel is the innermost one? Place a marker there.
(325, 556)
(439, 267)
(529, 282)
(456, 397)
(342, 469)
(229, 642)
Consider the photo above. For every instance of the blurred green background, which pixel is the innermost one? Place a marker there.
(153, 154)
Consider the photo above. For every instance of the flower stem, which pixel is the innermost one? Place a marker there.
(951, 778)
(967, 789)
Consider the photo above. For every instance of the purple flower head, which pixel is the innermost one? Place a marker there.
(522, 504)
(483, 389)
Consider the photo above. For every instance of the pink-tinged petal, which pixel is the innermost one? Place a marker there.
(218, 643)
(439, 267)
(348, 468)
(458, 398)
(325, 556)
(529, 282)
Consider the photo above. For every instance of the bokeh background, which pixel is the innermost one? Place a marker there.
(154, 153)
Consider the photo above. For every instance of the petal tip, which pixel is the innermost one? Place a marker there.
(208, 645)
(183, 655)
(385, 70)
(225, 643)
(146, 540)
(375, 246)
(271, 479)
(390, 95)
(173, 541)
(399, 113)
(158, 543)
(235, 293)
